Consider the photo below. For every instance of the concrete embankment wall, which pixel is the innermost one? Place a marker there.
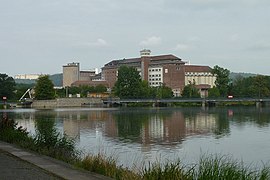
(67, 102)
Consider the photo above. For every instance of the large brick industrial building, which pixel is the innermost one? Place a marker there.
(167, 70)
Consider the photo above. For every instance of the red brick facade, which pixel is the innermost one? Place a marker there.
(171, 70)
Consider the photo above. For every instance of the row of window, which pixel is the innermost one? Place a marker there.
(155, 79)
(155, 83)
(154, 75)
(154, 70)
(199, 73)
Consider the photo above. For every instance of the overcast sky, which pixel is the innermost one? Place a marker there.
(40, 36)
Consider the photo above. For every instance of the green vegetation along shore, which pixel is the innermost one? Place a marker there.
(48, 141)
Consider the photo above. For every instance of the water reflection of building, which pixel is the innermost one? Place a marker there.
(169, 129)
(164, 130)
(71, 123)
(71, 128)
(173, 129)
(200, 124)
(75, 122)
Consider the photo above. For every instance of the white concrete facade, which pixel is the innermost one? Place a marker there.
(155, 76)
(200, 78)
(27, 76)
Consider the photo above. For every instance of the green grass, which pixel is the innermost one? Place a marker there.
(50, 143)
(244, 103)
(187, 104)
(169, 171)
(106, 166)
(224, 167)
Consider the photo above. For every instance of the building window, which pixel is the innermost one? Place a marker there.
(166, 70)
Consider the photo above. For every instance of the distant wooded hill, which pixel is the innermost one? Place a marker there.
(233, 75)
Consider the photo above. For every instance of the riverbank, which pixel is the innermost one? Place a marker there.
(25, 164)
(18, 163)
(49, 142)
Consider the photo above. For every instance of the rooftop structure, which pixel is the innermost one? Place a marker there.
(72, 73)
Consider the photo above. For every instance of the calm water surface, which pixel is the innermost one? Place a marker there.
(138, 135)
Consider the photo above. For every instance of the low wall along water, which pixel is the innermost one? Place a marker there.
(67, 102)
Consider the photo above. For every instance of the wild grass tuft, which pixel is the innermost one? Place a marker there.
(168, 171)
(224, 167)
(47, 141)
(106, 166)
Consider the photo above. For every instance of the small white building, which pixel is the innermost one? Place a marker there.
(27, 76)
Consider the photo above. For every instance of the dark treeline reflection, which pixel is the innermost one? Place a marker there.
(260, 116)
(46, 132)
(131, 123)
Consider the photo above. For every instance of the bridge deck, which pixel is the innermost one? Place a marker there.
(183, 100)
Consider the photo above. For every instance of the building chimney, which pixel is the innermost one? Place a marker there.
(145, 52)
(145, 60)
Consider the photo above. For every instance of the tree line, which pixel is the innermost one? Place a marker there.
(130, 85)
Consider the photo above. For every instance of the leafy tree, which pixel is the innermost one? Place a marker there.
(84, 90)
(44, 88)
(145, 91)
(256, 86)
(238, 89)
(164, 92)
(222, 81)
(213, 92)
(128, 84)
(100, 88)
(7, 86)
(74, 90)
(190, 91)
(260, 86)
(60, 93)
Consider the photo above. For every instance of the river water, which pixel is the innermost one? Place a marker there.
(136, 136)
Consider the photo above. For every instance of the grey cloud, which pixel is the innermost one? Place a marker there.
(98, 43)
(151, 41)
(203, 31)
(259, 47)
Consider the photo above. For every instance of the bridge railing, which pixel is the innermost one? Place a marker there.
(118, 100)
